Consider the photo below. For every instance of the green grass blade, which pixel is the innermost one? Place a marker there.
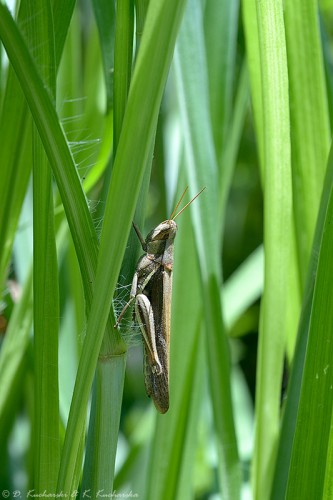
(46, 323)
(293, 311)
(45, 276)
(15, 344)
(221, 29)
(102, 413)
(105, 19)
(15, 158)
(250, 22)
(310, 130)
(230, 150)
(123, 64)
(62, 14)
(14, 132)
(243, 287)
(328, 485)
(192, 88)
(51, 133)
(141, 7)
(104, 421)
(277, 240)
(293, 400)
(310, 447)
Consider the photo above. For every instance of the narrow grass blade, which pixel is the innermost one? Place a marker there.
(62, 13)
(15, 137)
(192, 88)
(16, 160)
(103, 426)
(249, 11)
(277, 240)
(221, 30)
(290, 416)
(105, 15)
(14, 346)
(141, 7)
(310, 447)
(228, 156)
(104, 422)
(45, 274)
(123, 64)
(59, 155)
(310, 130)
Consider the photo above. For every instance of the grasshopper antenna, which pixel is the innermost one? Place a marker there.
(187, 204)
(175, 209)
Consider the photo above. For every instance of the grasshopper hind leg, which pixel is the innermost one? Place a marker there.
(156, 376)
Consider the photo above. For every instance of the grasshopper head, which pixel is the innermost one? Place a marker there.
(165, 231)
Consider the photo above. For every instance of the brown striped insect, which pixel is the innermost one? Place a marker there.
(152, 292)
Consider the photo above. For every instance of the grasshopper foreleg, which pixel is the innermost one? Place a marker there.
(138, 286)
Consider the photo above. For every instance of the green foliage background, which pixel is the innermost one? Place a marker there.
(107, 111)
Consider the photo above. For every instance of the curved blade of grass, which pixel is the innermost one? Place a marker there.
(309, 120)
(15, 166)
(277, 240)
(192, 87)
(59, 155)
(73, 198)
(51, 133)
(144, 99)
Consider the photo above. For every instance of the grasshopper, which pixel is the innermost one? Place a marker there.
(152, 292)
